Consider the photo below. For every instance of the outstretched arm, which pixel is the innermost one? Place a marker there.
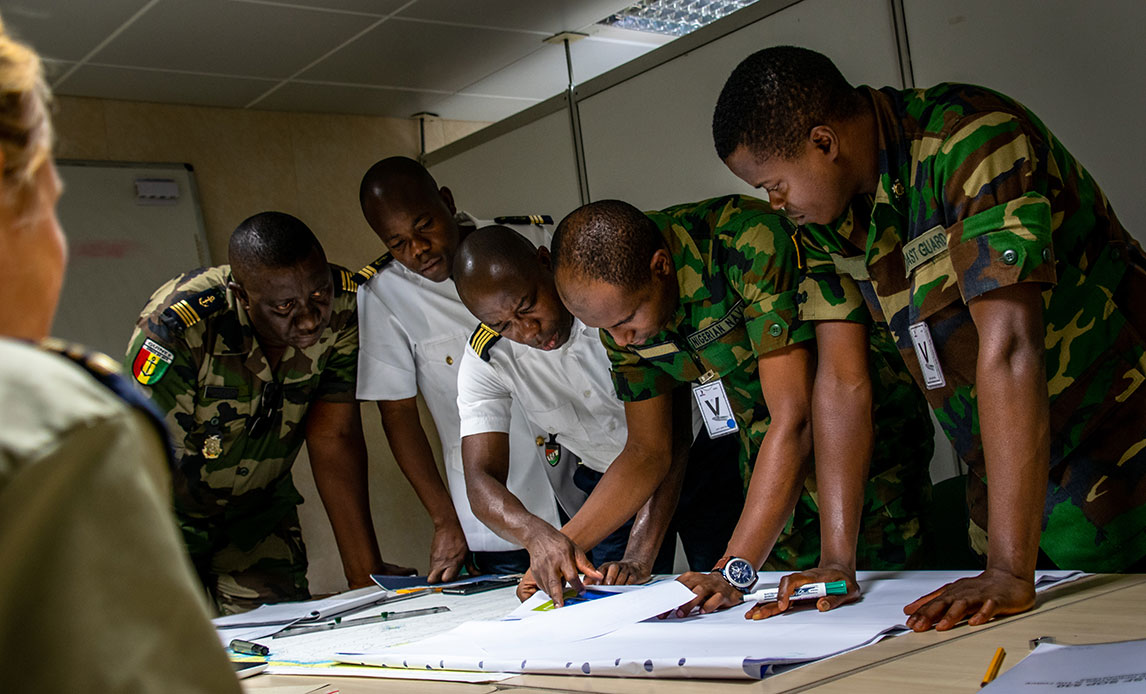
(782, 464)
(553, 558)
(338, 458)
(652, 521)
(411, 449)
(1014, 418)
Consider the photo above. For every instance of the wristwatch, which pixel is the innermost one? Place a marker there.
(739, 573)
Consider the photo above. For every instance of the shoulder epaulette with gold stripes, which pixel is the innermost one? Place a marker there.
(523, 219)
(482, 339)
(190, 310)
(347, 281)
(364, 275)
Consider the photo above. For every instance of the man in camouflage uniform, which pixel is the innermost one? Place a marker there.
(1007, 283)
(246, 362)
(721, 309)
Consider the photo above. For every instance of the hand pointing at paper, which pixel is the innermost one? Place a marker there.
(554, 559)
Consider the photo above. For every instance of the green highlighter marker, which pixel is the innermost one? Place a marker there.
(809, 591)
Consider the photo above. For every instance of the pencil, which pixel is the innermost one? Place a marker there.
(993, 668)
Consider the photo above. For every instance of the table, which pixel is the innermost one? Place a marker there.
(1092, 610)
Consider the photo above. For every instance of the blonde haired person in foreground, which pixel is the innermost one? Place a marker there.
(96, 594)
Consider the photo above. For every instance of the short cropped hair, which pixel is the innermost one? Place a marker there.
(609, 241)
(774, 98)
(385, 173)
(271, 240)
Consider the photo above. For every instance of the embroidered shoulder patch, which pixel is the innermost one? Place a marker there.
(924, 248)
(661, 349)
(151, 362)
(363, 275)
(483, 339)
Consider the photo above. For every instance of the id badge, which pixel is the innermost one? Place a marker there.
(928, 359)
(715, 409)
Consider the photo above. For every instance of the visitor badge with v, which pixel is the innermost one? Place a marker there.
(714, 408)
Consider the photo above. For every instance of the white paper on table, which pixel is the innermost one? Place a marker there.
(285, 613)
(1104, 667)
(529, 607)
(319, 648)
(393, 673)
(283, 689)
(722, 644)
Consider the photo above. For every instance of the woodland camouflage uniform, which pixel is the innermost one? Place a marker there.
(738, 271)
(196, 354)
(974, 194)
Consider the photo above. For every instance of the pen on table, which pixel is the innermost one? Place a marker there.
(340, 623)
(249, 647)
(808, 591)
(993, 668)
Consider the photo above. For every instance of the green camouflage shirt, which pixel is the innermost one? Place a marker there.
(196, 354)
(738, 271)
(974, 194)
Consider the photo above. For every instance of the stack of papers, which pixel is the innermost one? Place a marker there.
(621, 635)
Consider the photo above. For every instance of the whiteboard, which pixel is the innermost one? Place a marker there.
(529, 170)
(119, 251)
(648, 139)
(1080, 66)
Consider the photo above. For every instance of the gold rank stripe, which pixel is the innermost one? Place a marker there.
(348, 283)
(185, 312)
(368, 272)
(536, 219)
(482, 337)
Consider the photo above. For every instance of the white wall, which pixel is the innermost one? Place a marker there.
(648, 140)
(1080, 66)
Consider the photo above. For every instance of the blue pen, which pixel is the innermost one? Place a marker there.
(808, 591)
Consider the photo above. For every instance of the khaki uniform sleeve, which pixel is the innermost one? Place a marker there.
(137, 619)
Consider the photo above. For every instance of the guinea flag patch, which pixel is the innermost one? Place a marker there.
(151, 362)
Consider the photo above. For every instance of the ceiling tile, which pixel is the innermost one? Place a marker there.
(546, 16)
(375, 7)
(591, 57)
(426, 56)
(66, 29)
(325, 98)
(481, 108)
(539, 75)
(163, 87)
(55, 69)
(235, 38)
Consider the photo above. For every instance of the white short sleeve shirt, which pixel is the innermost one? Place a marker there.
(413, 334)
(566, 392)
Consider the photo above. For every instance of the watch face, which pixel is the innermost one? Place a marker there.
(739, 573)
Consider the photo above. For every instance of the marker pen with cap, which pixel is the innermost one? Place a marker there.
(808, 591)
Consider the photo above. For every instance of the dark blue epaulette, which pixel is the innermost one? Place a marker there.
(364, 275)
(105, 370)
(483, 339)
(523, 219)
(190, 310)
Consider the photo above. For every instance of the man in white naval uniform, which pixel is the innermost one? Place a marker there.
(413, 331)
(557, 369)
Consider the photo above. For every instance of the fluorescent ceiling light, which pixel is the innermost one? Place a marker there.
(673, 17)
